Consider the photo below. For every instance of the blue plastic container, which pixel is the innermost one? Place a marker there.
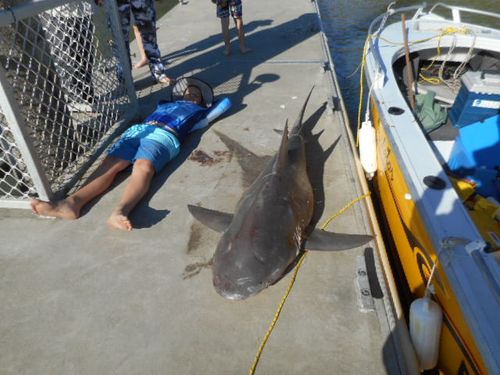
(476, 155)
(477, 100)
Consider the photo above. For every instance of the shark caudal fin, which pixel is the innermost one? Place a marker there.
(216, 220)
(297, 127)
(321, 240)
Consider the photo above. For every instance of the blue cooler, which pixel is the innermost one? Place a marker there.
(477, 100)
(476, 155)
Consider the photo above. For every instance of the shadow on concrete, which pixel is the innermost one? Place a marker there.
(231, 75)
(316, 158)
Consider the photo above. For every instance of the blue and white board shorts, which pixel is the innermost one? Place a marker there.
(147, 142)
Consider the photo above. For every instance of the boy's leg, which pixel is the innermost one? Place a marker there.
(241, 34)
(70, 207)
(140, 181)
(224, 21)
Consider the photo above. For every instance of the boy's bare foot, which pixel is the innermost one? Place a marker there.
(64, 209)
(141, 63)
(245, 50)
(119, 221)
(227, 51)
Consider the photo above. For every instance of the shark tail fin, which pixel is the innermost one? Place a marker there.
(297, 127)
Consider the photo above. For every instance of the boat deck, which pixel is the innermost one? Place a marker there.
(79, 298)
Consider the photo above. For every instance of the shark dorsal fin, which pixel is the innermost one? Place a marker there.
(282, 155)
(297, 127)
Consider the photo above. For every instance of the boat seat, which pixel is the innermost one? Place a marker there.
(443, 93)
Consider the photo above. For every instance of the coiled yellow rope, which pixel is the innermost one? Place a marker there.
(292, 282)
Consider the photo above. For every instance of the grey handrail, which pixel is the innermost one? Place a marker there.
(455, 17)
(389, 12)
(27, 9)
(464, 9)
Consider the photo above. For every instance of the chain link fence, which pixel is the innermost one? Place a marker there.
(65, 91)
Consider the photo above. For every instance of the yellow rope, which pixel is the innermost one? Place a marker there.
(277, 315)
(431, 80)
(290, 286)
(343, 209)
(447, 31)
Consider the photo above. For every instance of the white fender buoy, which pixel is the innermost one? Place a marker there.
(368, 148)
(426, 318)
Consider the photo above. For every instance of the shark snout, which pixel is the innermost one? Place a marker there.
(235, 289)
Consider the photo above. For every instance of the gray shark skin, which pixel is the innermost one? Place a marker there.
(270, 225)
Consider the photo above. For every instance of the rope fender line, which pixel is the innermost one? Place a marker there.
(292, 282)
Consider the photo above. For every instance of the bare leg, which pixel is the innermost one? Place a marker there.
(144, 59)
(241, 35)
(225, 33)
(70, 207)
(139, 184)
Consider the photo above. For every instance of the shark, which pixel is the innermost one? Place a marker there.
(271, 224)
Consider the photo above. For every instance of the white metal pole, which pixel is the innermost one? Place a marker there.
(21, 135)
(112, 10)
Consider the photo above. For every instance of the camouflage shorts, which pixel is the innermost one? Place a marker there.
(225, 7)
(144, 13)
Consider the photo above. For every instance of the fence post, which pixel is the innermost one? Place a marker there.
(116, 27)
(12, 113)
(59, 119)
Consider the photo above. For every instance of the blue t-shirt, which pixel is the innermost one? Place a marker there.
(180, 115)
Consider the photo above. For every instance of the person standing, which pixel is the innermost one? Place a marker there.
(145, 19)
(235, 9)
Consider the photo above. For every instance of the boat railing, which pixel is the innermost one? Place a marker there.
(380, 21)
(457, 10)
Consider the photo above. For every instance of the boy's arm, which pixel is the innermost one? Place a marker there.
(217, 109)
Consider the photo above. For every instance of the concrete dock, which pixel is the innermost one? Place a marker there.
(79, 298)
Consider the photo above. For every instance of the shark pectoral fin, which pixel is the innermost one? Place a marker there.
(216, 220)
(321, 240)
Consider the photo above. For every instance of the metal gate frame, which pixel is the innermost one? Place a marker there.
(17, 125)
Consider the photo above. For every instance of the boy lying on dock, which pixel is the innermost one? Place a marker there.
(148, 146)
